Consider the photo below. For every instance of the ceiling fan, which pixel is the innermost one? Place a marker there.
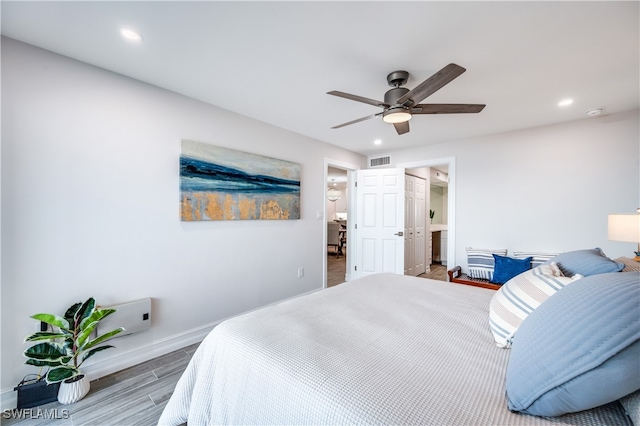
(400, 103)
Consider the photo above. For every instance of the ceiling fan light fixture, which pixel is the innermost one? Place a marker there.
(401, 103)
(396, 115)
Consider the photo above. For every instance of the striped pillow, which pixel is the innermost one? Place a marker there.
(537, 258)
(481, 263)
(520, 296)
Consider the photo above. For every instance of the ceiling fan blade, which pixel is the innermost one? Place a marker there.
(432, 84)
(356, 121)
(446, 108)
(402, 128)
(358, 99)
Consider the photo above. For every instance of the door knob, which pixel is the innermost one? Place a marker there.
(399, 234)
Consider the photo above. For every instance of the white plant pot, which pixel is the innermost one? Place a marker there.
(74, 391)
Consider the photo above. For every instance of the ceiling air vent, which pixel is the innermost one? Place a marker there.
(381, 161)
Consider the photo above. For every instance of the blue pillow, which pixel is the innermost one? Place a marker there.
(586, 263)
(506, 268)
(579, 349)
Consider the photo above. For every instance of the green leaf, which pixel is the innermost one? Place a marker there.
(96, 316)
(85, 310)
(71, 312)
(68, 344)
(48, 351)
(103, 338)
(53, 320)
(44, 335)
(86, 355)
(47, 354)
(45, 363)
(61, 373)
(85, 334)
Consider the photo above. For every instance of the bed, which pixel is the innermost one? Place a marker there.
(383, 349)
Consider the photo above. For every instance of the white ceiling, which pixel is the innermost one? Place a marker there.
(275, 61)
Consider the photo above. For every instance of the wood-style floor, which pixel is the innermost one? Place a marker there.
(438, 272)
(134, 396)
(337, 267)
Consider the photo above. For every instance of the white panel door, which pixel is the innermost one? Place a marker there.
(409, 225)
(420, 225)
(379, 221)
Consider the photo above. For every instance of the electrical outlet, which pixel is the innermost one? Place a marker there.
(41, 326)
(300, 272)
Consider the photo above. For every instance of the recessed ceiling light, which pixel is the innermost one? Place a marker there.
(130, 34)
(377, 142)
(565, 102)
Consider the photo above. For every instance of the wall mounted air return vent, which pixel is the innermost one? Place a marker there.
(380, 161)
(439, 176)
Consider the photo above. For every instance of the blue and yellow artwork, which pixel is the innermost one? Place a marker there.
(225, 184)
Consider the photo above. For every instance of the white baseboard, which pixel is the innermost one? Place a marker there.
(122, 360)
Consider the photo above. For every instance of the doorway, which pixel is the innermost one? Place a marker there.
(440, 203)
(337, 222)
(448, 163)
(338, 207)
(439, 221)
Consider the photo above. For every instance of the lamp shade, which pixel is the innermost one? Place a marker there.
(624, 227)
(396, 115)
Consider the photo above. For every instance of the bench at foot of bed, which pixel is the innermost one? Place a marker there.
(457, 276)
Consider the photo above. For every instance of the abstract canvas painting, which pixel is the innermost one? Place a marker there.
(225, 184)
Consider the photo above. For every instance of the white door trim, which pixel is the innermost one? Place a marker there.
(451, 220)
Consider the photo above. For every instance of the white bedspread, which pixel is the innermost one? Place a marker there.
(384, 349)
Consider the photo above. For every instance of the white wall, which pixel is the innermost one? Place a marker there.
(546, 189)
(438, 204)
(90, 197)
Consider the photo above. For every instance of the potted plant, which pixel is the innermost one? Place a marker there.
(431, 214)
(67, 345)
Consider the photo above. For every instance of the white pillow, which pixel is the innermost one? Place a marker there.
(520, 296)
(481, 263)
(537, 258)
